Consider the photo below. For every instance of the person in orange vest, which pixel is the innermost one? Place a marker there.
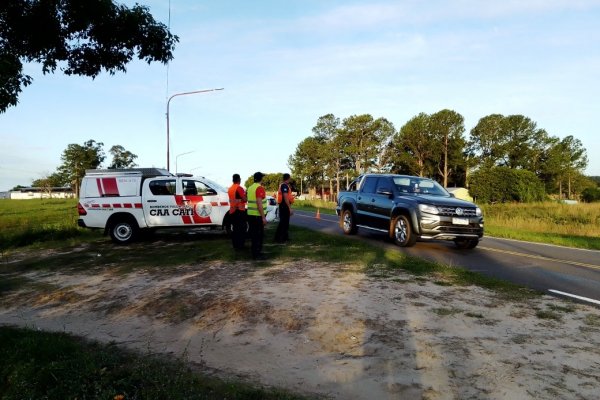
(285, 198)
(237, 212)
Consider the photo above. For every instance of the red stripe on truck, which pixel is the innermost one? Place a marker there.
(110, 186)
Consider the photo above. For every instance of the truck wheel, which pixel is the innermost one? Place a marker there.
(466, 244)
(402, 233)
(348, 223)
(124, 231)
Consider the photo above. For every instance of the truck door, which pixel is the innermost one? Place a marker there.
(159, 203)
(382, 203)
(208, 204)
(364, 201)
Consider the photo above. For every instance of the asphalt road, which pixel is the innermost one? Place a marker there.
(557, 270)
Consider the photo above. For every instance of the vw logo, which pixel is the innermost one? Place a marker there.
(459, 211)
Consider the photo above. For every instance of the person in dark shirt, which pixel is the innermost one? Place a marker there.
(285, 200)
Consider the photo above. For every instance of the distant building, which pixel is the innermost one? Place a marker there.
(42, 193)
(4, 195)
(460, 193)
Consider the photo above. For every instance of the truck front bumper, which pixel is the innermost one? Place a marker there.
(445, 228)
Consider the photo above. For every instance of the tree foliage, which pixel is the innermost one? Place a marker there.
(504, 184)
(77, 159)
(80, 37)
(121, 158)
(364, 140)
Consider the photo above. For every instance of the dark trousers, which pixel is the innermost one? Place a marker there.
(239, 228)
(257, 232)
(281, 235)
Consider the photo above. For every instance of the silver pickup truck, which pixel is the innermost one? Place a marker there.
(407, 209)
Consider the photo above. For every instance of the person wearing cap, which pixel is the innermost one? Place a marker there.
(285, 200)
(257, 215)
(237, 212)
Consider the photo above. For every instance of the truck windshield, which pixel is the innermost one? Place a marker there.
(420, 186)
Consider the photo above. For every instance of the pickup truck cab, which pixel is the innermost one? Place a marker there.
(407, 209)
(127, 201)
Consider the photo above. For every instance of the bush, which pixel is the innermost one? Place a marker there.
(503, 185)
(591, 194)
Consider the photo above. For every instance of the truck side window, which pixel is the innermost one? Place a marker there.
(189, 188)
(369, 184)
(162, 188)
(197, 188)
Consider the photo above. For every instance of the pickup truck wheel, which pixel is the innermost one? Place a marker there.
(124, 231)
(348, 223)
(402, 233)
(466, 243)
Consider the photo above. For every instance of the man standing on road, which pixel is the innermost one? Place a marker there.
(237, 212)
(285, 200)
(257, 219)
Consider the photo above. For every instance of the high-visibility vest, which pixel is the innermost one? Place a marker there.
(252, 207)
(234, 202)
(280, 195)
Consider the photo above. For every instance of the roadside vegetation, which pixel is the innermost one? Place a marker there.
(43, 365)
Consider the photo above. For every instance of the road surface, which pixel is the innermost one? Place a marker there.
(558, 270)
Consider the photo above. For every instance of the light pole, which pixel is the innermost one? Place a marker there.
(168, 103)
(179, 155)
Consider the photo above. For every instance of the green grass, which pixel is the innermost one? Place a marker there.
(31, 222)
(42, 365)
(575, 225)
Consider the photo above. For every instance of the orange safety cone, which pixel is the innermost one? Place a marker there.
(318, 216)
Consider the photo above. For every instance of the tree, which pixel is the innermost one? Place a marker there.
(121, 158)
(447, 128)
(413, 147)
(365, 139)
(487, 143)
(308, 160)
(77, 158)
(85, 37)
(513, 141)
(565, 159)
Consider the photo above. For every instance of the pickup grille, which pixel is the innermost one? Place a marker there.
(451, 211)
(449, 228)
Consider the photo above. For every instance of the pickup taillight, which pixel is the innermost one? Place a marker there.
(81, 210)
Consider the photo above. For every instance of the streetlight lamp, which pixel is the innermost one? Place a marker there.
(179, 155)
(169, 102)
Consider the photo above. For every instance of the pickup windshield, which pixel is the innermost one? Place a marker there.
(419, 186)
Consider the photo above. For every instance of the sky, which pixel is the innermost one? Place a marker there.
(284, 64)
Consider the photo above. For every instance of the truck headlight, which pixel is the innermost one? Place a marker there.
(426, 208)
(478, 212)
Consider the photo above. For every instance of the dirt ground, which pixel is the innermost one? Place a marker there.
(329, 330)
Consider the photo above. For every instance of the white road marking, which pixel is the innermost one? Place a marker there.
(575, 296)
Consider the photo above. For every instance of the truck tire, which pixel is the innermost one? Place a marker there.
(466, 244)
(348, 222)
(401, 232)
(124, 230)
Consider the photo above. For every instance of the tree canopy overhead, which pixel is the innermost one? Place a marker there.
(80, 37)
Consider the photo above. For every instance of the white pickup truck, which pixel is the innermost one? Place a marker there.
(124, 202)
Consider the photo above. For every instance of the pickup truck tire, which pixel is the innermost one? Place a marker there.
(401, 232)
(348, 222)
(466, 243)
(123, 230)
